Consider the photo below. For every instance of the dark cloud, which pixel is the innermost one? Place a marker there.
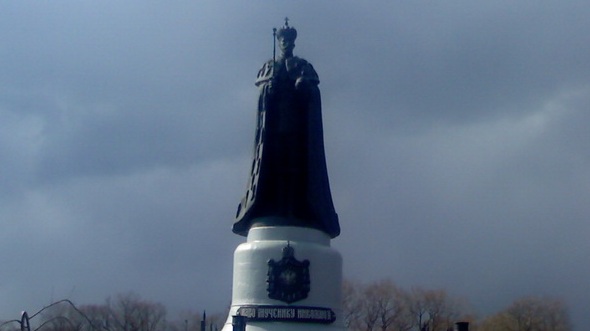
(455, 134)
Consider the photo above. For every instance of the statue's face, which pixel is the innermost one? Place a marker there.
(286, 45)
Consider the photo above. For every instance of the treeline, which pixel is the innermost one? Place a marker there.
(377, 306)
(383, 306)
(125, 312)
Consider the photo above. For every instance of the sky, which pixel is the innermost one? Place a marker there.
(456, 137)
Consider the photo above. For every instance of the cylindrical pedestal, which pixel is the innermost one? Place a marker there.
(286, 278)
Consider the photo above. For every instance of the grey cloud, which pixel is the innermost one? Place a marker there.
(455, 134)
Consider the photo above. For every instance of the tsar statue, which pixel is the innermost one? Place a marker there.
(288, 183)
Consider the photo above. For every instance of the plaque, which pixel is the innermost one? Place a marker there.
(298, 314)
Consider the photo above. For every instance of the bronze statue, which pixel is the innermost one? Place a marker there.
(288, 183)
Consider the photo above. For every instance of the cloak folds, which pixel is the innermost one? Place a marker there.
(288, 183)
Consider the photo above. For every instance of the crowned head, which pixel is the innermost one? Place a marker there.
(286, 37)
(287, 32)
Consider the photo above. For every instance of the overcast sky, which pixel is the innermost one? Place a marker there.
(456, 135)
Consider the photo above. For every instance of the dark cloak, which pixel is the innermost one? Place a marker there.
(288, 183)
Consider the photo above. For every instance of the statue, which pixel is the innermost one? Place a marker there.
(288, 183)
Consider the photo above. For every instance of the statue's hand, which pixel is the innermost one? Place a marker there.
(269, 87)
(300, 83)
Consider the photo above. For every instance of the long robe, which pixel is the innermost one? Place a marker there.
(288, 183)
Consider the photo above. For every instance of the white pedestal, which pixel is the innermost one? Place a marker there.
(251, 269)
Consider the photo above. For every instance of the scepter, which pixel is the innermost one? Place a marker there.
(274, 44)
(274, 51)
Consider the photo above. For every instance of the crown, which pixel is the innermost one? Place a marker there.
(288, 251)
(287, 32)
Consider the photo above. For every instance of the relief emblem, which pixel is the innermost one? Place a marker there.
(288, 278)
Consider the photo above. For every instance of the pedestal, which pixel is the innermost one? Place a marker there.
(286, 278)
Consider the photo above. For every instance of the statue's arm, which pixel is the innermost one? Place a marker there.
(265, 74)
(308, 77)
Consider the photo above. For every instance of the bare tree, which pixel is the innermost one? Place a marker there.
(369, 310)
(530, 314)
(351, 304)
(433, 310)
(98, 315)
(130, 313)
(391, 306)
(418, 308)
(377, 306)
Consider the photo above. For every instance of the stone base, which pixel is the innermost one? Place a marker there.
(251, 268)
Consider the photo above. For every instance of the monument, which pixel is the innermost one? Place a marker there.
(286, 275)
